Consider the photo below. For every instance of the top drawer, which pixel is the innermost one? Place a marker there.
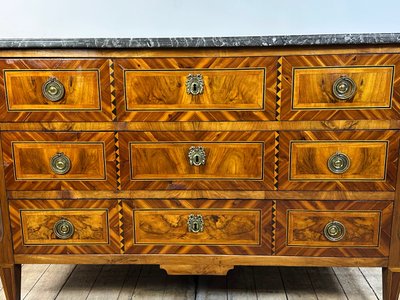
(55, 90)
(195, 89)
(340, 87)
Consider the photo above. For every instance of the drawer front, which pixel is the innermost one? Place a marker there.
(338, 160)
(176, 89)
(56, 227)
(55, 161)
(55, 90)
(333, 228)
(340, 87)
(197, 226)
(196, 160)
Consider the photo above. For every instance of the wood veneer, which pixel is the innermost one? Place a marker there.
(247, 188)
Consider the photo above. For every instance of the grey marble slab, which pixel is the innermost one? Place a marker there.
(202, 42)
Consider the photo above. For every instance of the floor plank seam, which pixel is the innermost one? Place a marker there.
(136, 282)
(41, 275)
(366, 279)
(65, 282)
(344, 291)
(312, 284)
(94, 282)
(283, 283)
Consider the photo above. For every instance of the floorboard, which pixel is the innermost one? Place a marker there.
(70, 282)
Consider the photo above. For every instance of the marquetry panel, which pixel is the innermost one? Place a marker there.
(300, 228)
(235, 88)
(86, 90)
(303, 160)
(234, 160)
(229, 227)
(27, 157)
(308, 80)
(96, 226)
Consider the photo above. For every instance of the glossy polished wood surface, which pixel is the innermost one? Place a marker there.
(87, 95)
(313, 87)
(235, 88)
(96, 224)
(268, 124)
(222, 227)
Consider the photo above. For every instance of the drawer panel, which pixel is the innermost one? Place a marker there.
(197, 226)
(340, 87)
(74, 90)
(71, 226)
(158, 89)
(333, 228)
(56, 161)
(160, 160)
(165, 161)
(340, 160)
(221, 227)
(366, 160)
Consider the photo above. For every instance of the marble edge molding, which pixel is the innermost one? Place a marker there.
(203, 42)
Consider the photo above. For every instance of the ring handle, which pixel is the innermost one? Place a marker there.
(60, 163)
(334, 231)
(338, 163)
(344, 88)
(53, 90)
(63, 229)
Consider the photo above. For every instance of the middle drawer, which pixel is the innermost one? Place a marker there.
(197, 160)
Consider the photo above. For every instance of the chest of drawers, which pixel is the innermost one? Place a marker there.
(199, 160)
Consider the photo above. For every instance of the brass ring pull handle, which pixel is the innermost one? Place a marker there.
(60, 163)
(53, 90)
(338, 163)
(195, 223)
(197, 156)
(194, 84)
(63, 229)
(334, 231)
(344, 88)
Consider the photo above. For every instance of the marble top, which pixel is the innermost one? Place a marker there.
(202, 42)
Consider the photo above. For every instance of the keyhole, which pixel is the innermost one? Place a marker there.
(194, 88)
(195, 227)
(197, 159)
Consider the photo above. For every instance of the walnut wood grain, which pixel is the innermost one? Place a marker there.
(175, 269)
(90, 226)
(153, 89)
(312, 87)
(32, 160)
(230, 227)
(169, 161)
(307, 87)
(305, 228)
(305, 167)
(368, 160)
(241, 89)
(27, 158)
(86, 84)
(221, 227)
(300, 226)
(159, 160)
(95, 221)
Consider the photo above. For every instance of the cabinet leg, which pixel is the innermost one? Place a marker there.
(391, 284)
(11, 280)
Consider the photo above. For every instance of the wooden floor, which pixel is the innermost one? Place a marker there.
(108, 282)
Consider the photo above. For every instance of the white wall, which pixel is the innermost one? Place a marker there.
(173, 18)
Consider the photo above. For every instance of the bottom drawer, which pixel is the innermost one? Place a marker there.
(333, 228)
(198, 226)
(61, 227)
